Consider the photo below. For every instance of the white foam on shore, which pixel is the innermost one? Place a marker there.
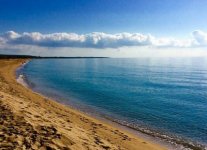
(21, 80)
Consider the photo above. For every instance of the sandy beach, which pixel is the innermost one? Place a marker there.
(31, 121)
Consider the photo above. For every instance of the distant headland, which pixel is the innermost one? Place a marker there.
(5, 56)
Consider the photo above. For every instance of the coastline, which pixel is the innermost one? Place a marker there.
(54, 125)
(167, 140)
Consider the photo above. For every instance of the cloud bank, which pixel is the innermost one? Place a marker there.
(100, 40)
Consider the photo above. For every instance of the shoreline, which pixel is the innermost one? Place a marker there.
(168, 141)
(54, 125)
(137, 132)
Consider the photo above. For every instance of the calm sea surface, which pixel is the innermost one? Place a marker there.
(163, 97)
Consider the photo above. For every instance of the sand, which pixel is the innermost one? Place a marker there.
(31, 121)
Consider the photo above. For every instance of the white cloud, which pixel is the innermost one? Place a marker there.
(10, 35)
(91, 40)
(100, 40)
(200, 38)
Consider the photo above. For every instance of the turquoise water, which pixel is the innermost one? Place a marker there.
(163, 97)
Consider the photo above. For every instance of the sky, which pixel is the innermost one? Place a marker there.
(114, 28)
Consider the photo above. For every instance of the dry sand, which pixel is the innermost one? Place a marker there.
(31, 121)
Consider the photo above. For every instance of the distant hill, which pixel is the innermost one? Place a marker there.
(3, 56)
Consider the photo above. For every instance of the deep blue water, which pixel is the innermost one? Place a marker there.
(162, 96)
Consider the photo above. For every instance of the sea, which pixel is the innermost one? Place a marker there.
(165, 98)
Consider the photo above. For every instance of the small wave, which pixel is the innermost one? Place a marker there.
(178, 142)
(21, 79)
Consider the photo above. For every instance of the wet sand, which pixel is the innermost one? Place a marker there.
(31, 121)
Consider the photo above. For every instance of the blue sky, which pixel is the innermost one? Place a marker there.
(159, 18)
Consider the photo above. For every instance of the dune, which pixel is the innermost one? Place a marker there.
(31, 121)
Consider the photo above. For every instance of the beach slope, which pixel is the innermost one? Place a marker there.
(31, 121)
